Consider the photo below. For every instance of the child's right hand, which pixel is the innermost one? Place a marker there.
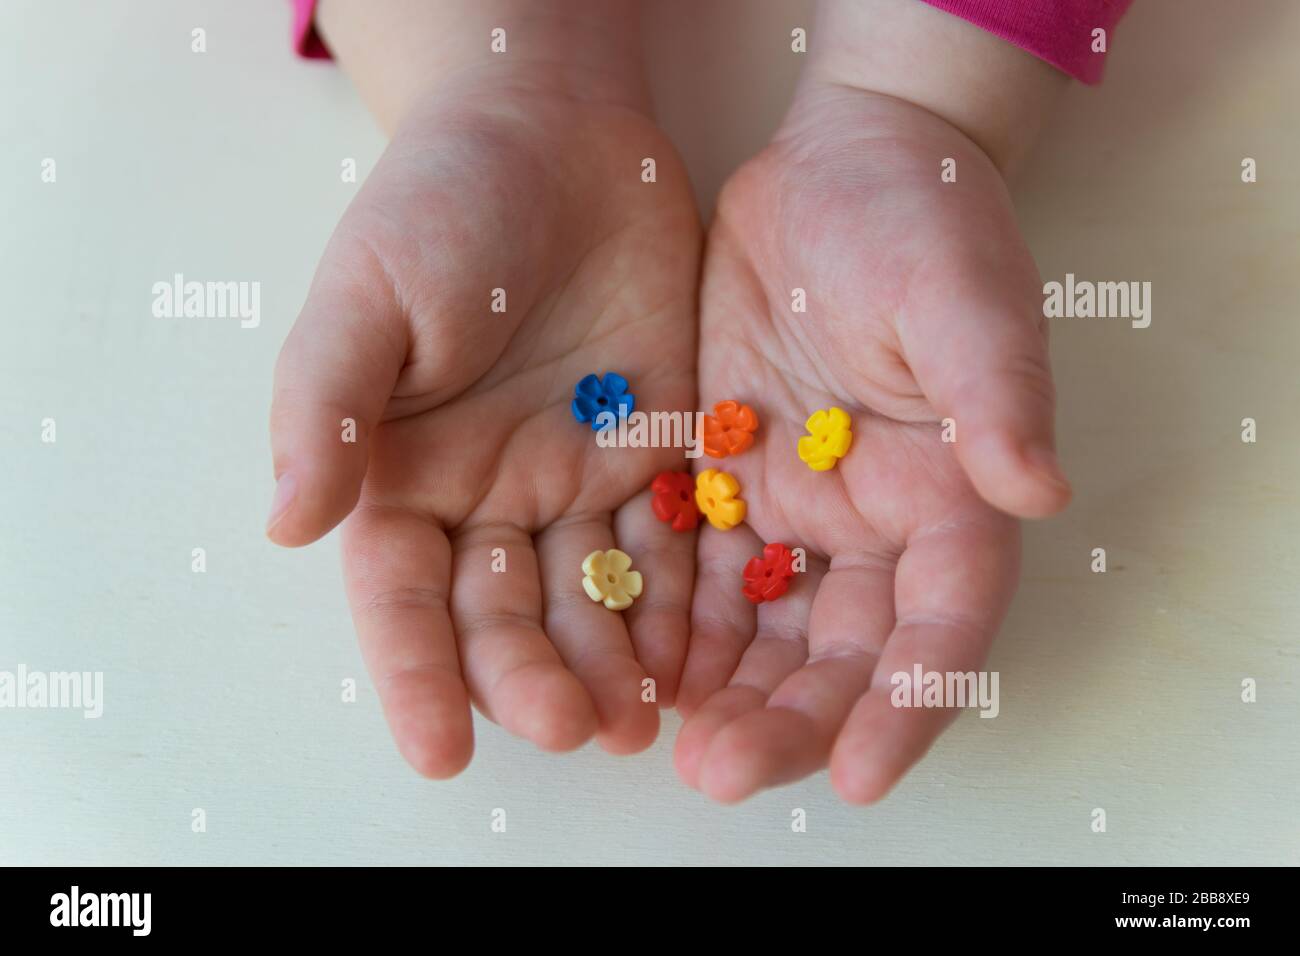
(464, 442)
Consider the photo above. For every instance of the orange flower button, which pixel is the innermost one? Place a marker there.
(729, 430)
(715, 493)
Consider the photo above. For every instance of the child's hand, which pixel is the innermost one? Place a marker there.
(503, 179)
(922, 304)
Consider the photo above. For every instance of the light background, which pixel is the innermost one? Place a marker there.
(1119, 690)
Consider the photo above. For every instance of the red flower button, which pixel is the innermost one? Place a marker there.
(768, 577)
(674, 499)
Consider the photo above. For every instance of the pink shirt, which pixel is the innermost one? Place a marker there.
(1058, 31)
(305, 38)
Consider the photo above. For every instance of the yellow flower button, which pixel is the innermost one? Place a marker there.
(715, 493)
(829, 438)
(610, 579)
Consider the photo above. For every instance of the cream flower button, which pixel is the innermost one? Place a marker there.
(609, 579)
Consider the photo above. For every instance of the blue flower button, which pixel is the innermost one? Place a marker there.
(594, 395)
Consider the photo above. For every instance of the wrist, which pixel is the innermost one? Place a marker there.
(401, 52)
(995, 93)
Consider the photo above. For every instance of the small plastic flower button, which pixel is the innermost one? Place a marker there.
(729, 430)
(829, 438)
(768, 577)
(674, 499)
(715, 493)
(594, 395)
(610, 579)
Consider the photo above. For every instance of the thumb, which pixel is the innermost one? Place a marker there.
(333, 379)
(982, 361)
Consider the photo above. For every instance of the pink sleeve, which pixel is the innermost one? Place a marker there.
(1058, 31)
(305, 38)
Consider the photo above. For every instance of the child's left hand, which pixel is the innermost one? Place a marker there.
(921, 305)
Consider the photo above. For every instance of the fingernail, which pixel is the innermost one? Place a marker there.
(285, 489)
(1044, 461)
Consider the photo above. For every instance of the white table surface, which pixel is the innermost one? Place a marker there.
(1118, 690)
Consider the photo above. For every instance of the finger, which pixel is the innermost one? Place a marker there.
(515, 675)
(397, 567)
(699, 730)
(722, 618)
(791, 736)
(953, 590)
(593, 640)
(659, 622)
(977, 351)
(779, 648)
(333, 379)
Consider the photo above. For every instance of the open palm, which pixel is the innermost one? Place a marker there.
(479, 495)
(921, 305)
